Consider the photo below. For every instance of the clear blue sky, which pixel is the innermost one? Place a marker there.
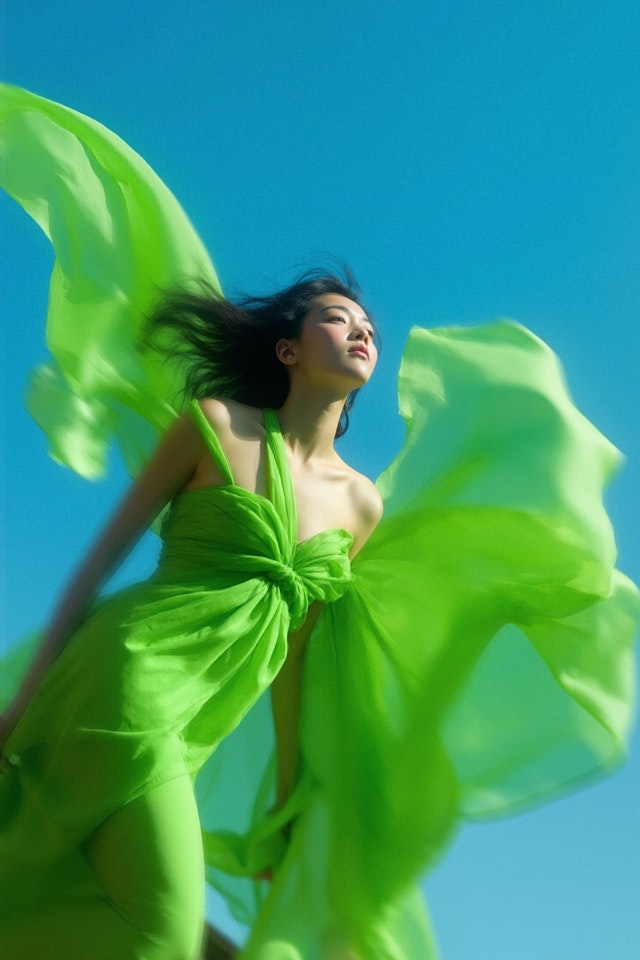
(469, 159)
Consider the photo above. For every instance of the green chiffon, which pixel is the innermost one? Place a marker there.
(479, 661)
(159, 673)
(119, 238)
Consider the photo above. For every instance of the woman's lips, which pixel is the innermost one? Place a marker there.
(360, 351)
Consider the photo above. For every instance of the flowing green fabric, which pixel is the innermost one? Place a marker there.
(120, 237)
(479, 661)
(159, 673)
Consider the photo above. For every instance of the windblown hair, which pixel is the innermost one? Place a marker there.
(228, 348)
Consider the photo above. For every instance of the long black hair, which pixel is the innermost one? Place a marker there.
(228, 348)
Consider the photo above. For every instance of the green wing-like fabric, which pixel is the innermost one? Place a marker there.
(481, 660)
(119, 237)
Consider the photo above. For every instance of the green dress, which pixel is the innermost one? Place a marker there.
(480, 659)
(161, 672)
(230, 584)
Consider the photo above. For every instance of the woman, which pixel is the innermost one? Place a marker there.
(225, 459)
(480, 659)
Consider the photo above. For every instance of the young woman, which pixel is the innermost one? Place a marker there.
(251, 491)
(474, 659)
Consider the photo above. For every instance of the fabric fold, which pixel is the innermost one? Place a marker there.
(120, 238)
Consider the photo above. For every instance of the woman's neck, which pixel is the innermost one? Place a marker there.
(309, 422)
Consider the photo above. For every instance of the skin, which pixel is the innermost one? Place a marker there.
(333, 354)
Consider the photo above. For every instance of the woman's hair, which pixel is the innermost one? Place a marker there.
(228, 347)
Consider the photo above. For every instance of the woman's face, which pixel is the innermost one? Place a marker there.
(336, 342)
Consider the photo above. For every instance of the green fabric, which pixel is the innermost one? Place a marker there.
(479, 661)
(162, 671)
(129, 240)
(148, 858)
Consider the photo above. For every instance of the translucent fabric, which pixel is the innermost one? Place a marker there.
(480, 659)
(119, 237)
(160, 672)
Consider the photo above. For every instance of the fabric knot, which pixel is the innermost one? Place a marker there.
(293, 590)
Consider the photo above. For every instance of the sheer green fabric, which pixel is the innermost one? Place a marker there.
(129, 240)
(159, 673)
(479, 661)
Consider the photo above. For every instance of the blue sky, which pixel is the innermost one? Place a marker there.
(469, 160)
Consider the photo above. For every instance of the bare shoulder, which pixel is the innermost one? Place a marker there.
(365, 495)
(367, 506)
(231, 418)
(240, 431)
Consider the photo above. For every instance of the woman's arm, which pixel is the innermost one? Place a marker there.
(286, 703)
(167, 471)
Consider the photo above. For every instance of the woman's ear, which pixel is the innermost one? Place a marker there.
(285, 352)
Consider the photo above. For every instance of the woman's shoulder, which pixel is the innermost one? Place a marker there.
(366, 504)
(240, 432)
(230, 416)
(366, 495)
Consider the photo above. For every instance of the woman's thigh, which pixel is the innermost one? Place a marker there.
(147, 859)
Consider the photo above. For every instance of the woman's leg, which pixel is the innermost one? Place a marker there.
(147, 858)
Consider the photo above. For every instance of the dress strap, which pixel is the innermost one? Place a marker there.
(281, 491)
(211, 439)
